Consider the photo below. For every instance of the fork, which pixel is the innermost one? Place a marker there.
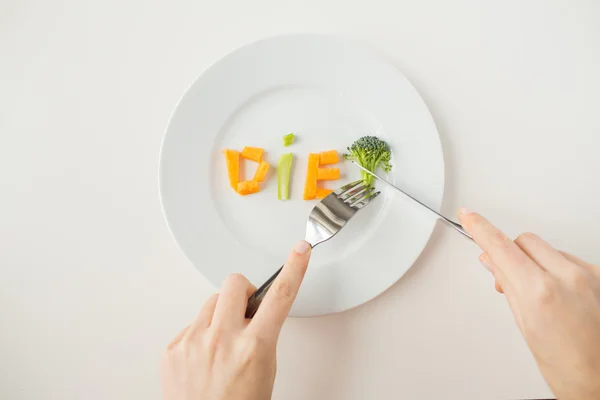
(325, 220)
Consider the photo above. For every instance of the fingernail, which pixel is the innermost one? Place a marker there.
(302, 247)
(465, 211)
(484, 261)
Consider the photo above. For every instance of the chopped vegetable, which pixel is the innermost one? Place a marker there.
(310, 186)
(232, 158)
(328, 157)
(253, 153)
(248, 187)
(370, 152)
(288, 139)
(261, 171)
(322, 193)
(328, 174)
(283, 176)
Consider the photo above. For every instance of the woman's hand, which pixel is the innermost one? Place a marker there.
(224, 356)
(555, 298)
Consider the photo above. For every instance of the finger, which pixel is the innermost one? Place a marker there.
(498, 287)
(513, 268)
(204, 317)
(231, 307)
(485, 261)
(276, 305)
(540, 251)
(178, 338)
(512, 301)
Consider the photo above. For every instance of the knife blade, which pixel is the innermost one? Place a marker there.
(448, 221)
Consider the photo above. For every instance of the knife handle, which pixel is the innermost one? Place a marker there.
(258, 296)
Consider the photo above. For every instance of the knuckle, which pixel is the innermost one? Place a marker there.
(213, 340)
(518, 259)
(175, 349)
(252, 348)
(578, 278)
(212, 345)
(171, 346)
(544, 292)
(283, 290)
(185, 344)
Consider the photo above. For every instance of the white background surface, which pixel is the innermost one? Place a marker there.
(92, 286)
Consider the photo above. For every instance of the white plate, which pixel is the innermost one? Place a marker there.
(329, 92)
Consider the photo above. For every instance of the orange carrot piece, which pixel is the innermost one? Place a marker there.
(261, 171)
(232, 158)
(328, 157)
(328, 174)
(253, 153)
(322, 193)
(248, 187)
(310, 185)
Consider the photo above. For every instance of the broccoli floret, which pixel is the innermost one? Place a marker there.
(370, 152)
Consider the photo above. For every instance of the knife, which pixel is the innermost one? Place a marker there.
(448, 221)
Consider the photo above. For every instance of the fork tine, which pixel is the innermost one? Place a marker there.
(365, 200)
(365, 191)
(347, 187)
(353, 192)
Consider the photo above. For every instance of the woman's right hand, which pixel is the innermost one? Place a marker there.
(555, 298)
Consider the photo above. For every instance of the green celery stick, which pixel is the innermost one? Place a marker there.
(283, 176)
(288, 139)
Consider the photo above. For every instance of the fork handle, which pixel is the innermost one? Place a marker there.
(258, 296)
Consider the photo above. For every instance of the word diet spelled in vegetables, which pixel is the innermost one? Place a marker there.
(369, 151)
